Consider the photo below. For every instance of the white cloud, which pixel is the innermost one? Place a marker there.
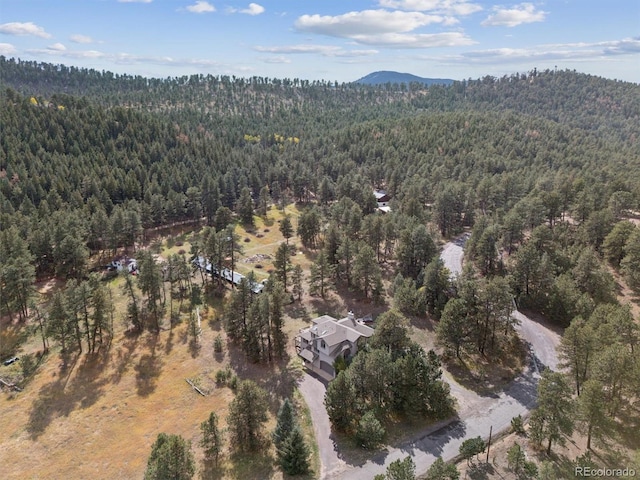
(450, 7)
(80, 39)
(568, 52)
(130, 59)
(201, 6)
(366, 22)
(324, 50)
(7, 49)
(417, 40)
(511, 17)
(59, 47)
(253, 9)
(623, 47)
(278, 59)
(27, 28)
(293, 49)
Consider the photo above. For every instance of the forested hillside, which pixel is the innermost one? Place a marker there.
(74, 148)
(542, 169)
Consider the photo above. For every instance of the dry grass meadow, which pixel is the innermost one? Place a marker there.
(97, 416)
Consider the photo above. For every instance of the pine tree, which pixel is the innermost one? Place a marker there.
(276, 319)
(294, 453)
(263, 201)
(471, 447)
(286, 423)
(370, 432)
(60, 324)
(282, 264)
(212, 438)
(170, 458)
(553, 418)
(439, 470)
(296, 280)
(150, 282)
(454, 331)
(247, 416)
(244, 207)
(321, 275)
(515, 458)
(401, 469)
(366, 271)
(286, 228)
(341, 401)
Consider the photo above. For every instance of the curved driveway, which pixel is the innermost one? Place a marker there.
(476, 413)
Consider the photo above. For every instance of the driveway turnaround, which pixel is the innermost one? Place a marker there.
(477, 414)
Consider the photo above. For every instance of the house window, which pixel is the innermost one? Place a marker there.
(322, 344)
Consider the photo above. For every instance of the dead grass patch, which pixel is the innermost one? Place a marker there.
(486, 375)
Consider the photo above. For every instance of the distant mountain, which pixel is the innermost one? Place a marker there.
(380, 78)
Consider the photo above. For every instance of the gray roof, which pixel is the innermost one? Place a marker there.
(334, 332)
(307, 355)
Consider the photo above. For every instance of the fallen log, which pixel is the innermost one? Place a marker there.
(10, 386)
(195, 388)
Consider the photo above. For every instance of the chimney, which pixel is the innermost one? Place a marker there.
(351, 316)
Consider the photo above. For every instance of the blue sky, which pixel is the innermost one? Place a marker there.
(339, 40)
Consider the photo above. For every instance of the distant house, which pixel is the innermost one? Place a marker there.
(119, 265)
(228, 275)
(383, 199)
(328, 339)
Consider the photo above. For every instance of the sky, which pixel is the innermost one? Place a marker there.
(335, 40)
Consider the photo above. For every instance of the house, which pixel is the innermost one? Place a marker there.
(328, 339)
(228, 275)
(383, 200)
(119, 265)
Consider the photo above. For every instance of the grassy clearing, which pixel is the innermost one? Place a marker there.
(98, 416)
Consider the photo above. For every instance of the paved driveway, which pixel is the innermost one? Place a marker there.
(313, 389)
(477, 414)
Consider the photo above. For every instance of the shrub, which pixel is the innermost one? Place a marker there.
(370, 432)
(517, 425)
(218, 345)
(221, 377)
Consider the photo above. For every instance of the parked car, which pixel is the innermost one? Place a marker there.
(11, 360)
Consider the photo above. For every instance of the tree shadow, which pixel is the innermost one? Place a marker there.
(75, 388)
(331, 305)
(298, 311)
(147, 373)
(123, 355)
(258, 464)
(148, 369)
(279, 378)
(211, 471)
(436, 437)
(168, 346)
(488, 376)
(422, 323)
(481, 471)
(12, 336)
(195, 347)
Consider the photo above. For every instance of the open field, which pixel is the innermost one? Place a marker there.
(97, 416)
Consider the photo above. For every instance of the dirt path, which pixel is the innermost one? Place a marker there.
(477, 413)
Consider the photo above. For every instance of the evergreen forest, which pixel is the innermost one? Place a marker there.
(540, 169)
